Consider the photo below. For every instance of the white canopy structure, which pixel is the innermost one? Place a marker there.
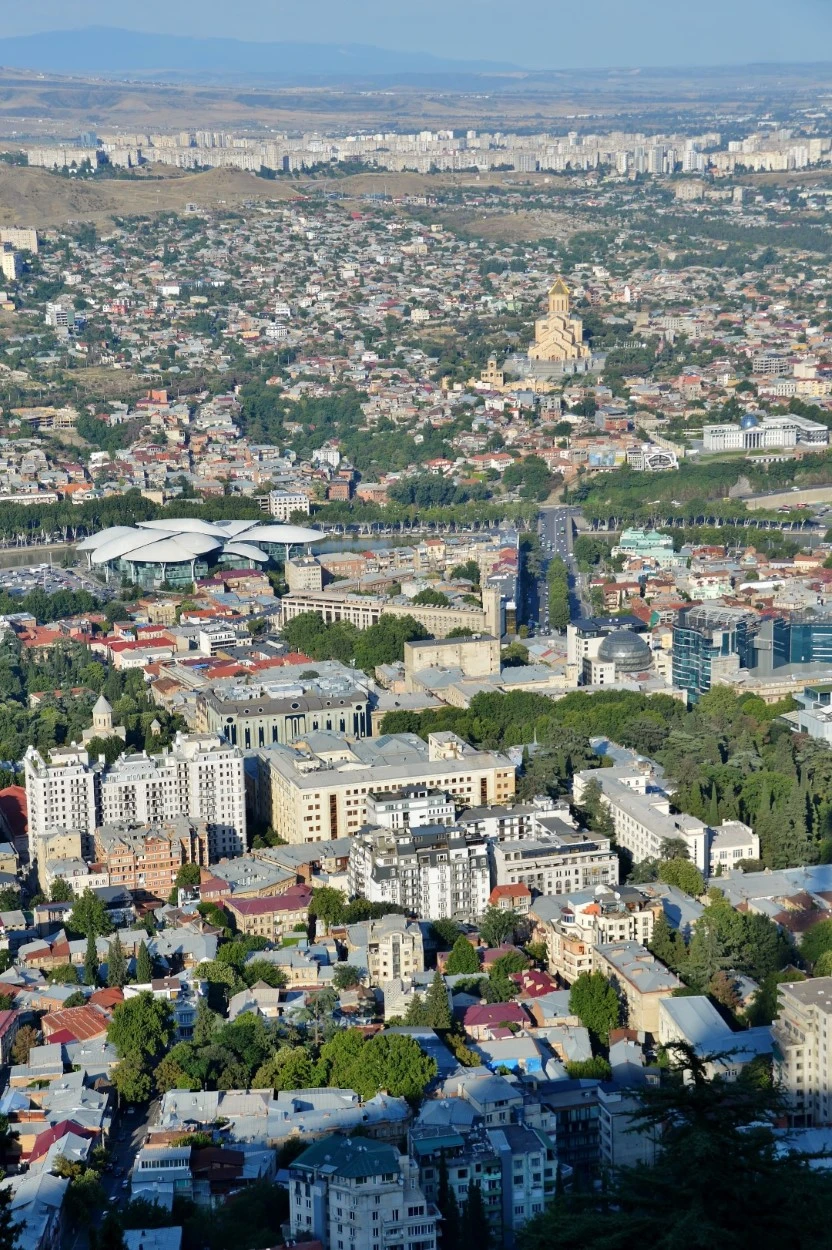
(152, 552)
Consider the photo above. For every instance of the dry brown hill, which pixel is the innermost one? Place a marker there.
(35, 197)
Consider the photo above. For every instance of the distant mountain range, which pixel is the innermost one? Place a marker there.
(108, 51)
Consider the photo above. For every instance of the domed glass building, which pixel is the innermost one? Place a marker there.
(627, 651)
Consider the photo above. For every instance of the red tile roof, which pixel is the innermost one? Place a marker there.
(297, 898)
(14, 810)
(82, 1022)
(47, 1139)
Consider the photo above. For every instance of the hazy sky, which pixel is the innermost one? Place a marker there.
(535, 33)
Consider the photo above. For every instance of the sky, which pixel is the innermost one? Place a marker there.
(540, 34)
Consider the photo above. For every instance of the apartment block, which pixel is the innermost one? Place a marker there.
(802, 1035)
(641, 814)
(409, 808)
(555, 858)
(146, 859)
(432, 870)
(62, 792)
(351, 1193)
(393, 947)
(574, 925)
(200, 776)
(282, 503)
(640, 979)
(311, 797)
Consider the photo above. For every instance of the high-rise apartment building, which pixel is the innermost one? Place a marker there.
(434, 871)
(802, 1035)
(351, 1193)
(200, 776)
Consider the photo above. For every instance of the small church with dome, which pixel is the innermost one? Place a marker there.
(102, 723)
(559, 336)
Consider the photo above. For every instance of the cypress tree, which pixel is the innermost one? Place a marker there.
(91, 962)
(116, 964)
(436, 1003)
(144, 965)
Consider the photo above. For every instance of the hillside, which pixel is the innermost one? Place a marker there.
(34, 197)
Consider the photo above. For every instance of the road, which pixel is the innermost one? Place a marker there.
(126, 1139)
(556, 527)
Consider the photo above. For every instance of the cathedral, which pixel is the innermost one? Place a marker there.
(557, 336)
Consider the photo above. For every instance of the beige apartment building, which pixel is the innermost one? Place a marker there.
(802, 1035)
(394, 946)
(362, 611)
(622, 914)
(475, 657)
(640, 979)
(306, 797)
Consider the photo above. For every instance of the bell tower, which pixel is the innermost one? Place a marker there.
(559, 297)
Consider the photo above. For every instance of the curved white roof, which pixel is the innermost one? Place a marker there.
(175, 549)
(123, 544)
(248, 551)
(233, 528)
(178, 540)
(183, 525)
(282, 534)
(103, 536)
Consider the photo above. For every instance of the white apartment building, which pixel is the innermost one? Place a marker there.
(282, 503)
(61, 792)
(432, 870)
(410, 808)
(353, 1193)
(802, 1034)
(641, 813)
(555, 859)
(200, 776)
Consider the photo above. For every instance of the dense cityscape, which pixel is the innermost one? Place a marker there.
(416, 680)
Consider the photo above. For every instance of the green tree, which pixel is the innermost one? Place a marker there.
(683, 874)
(89, 916)
(476, 1230)
(144, 965)
(132, 1080)
(328, 905)
(594, 1001)
(64, 974)
(688, 1196)
(596, 1068)
(142, 1026)
(763, 1006)
(26, 1038)
(816, 941)
(445, 933)
(498, 926)
(667, 943)
(289, 1068)
(437, 1005)
(10, 1228)
(91, 962)
(346, 976)
(61, 891)
(463, 958)
(116, 964)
